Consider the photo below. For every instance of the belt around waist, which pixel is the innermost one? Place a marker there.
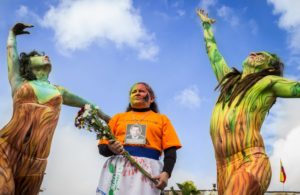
(143, 152)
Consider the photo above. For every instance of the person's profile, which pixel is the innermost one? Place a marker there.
(135, 134)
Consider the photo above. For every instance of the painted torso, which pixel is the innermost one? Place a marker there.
(35, 115)
(44, 91)
(235, 128)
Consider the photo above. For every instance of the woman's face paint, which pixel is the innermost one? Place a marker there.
(41, 67)
(140, 97)
(259, 60)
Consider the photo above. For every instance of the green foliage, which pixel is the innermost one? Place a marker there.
(187, 188)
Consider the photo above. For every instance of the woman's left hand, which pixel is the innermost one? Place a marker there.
(162, 179)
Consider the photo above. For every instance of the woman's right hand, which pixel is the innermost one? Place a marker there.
(116, 147)
(204, 16)
(18, 28)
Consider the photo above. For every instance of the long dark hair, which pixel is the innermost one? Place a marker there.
(153, 105)
(25, 68)
(232, 85)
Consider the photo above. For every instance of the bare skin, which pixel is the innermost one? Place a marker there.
(41, 67)
(23, 174)
(235, 129)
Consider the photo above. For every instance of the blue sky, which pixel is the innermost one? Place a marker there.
(99, 48)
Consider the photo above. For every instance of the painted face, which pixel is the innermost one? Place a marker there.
(40, 66)
(259, 60)
(140, 97)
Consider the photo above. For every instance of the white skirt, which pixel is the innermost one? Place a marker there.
(119, 177)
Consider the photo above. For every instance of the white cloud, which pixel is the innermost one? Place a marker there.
(228, 15)
(289, 20)
(79, 23)
(74, 160)
(290, 12)
(176, 4)
(22, 11)
(283, 118)
(287, 150)
(189, 97)
(282, 133)
(206, 4)
(253, 26)
(181, 12)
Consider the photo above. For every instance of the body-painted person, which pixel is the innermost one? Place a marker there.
(145, 134)
(26, 140)
(243, 168)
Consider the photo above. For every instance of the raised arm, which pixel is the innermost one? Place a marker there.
(12, 55)
(217, 61)
(71, 99)
(285, 88)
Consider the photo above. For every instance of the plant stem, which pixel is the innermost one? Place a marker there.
(126, 153)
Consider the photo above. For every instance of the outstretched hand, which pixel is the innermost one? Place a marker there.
(204, 16)
(19, 28)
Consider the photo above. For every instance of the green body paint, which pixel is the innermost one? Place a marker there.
(236, 128)
(39, 61)
(217, 61)
(296, 89)
(29, 133)
(44, 91)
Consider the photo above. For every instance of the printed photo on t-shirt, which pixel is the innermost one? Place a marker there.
(135, 134)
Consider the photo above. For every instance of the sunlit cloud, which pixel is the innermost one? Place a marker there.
(283, 128)
(80, 23)
(253, 26)
(289, 20)
(189, 97)
(228, 15)
(74, 160)
(286, 149)
(181, 12)
(207, 4)
(22, 11)
(282, 133)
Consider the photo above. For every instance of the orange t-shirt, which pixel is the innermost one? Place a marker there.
(158, 131)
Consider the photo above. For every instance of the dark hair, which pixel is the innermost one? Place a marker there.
(232, 85)
(153, 105)
(136, 125)
(25, 69)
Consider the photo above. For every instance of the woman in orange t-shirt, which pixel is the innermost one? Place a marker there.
(145, 134)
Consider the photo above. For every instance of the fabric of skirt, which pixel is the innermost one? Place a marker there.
(119, 177)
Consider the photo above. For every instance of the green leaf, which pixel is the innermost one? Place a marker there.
(180, 186)
(111, 192)
(111, 168)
